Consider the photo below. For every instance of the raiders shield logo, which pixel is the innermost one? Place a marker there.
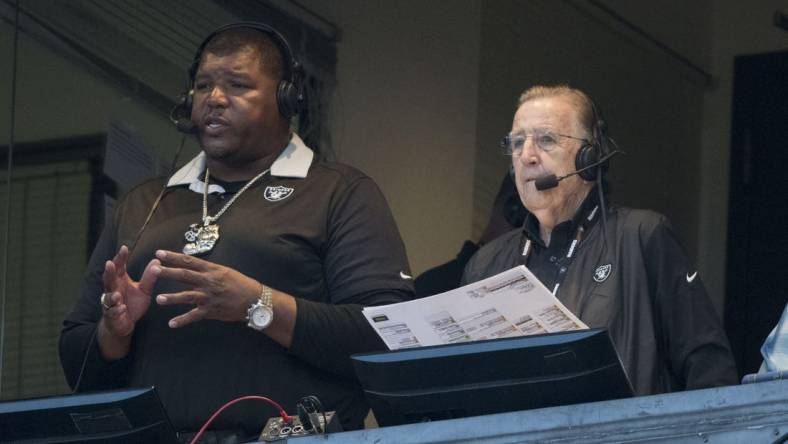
(277, 193)
(602, 272)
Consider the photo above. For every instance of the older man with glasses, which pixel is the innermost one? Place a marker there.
(617, 268)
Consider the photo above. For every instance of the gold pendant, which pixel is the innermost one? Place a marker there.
(200, 239)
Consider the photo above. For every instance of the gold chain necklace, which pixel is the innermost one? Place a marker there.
(201, 239)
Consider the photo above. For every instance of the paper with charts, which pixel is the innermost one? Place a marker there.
(512, 303)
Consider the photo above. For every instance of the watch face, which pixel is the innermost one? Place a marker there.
(262, 316)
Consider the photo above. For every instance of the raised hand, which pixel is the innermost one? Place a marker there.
(124, 303)
(216, 291)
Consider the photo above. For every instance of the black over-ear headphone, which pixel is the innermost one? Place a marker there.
(599, 147)
(289, 93)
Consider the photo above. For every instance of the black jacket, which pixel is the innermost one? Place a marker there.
(646, 293)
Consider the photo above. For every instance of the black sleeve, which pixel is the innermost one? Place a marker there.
(691, 335)
(476, 269)
(498, 256)
(83, 365)
(485, 262)
(447, 276)
(365, 264)
(326, 335)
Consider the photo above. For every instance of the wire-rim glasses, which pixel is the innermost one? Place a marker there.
(513, 144)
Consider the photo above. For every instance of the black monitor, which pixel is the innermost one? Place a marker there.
(484, 377)
(118, 416)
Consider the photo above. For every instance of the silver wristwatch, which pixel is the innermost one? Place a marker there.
(261, 313)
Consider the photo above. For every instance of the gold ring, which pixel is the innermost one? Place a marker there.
(105, 298)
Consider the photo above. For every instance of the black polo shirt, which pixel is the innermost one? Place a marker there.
(550, 263)
(320, 232)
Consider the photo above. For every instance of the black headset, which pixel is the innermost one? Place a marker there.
(290, 97)
(598, 148)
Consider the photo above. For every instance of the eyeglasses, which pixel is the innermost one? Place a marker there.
(545, 140)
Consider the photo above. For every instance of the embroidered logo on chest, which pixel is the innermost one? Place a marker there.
(277, 193)
(602, 272)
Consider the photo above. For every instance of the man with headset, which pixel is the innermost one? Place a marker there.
(617, 268)
(250, 271)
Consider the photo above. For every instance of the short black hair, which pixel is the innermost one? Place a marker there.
(233, 40)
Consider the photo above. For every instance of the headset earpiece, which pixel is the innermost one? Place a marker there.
(181, 114)
(289, 99)
(587, 155)
(590, 153)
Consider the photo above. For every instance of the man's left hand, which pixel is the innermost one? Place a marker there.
(216, 291)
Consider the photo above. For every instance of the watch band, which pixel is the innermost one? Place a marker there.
(264, 307)
(266, 296)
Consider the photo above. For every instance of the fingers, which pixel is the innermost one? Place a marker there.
(115, 269)
(109, 276)
(149, 276)
(178, 260)
(112, 305)
(116, 319)
(193, 315)
(184, 297)
(115, 311)
(189, 277)
(121, 259)
(110, 299)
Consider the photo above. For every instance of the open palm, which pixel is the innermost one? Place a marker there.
(130, 299)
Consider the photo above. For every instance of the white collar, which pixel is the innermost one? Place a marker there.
(294, 161)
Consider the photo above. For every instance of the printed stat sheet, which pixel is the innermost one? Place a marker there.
(512, 303)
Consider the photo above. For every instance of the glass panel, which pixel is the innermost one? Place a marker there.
(46, 257)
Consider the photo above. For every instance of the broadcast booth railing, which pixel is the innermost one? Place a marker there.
(494, 376)
(121, 416)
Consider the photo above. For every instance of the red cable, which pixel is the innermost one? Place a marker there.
(285, 417)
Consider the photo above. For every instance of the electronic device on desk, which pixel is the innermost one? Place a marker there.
(312, 419)
(276, 429)
(494, 376)
(118, 416)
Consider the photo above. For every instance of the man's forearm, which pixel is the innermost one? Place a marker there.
(283, 325)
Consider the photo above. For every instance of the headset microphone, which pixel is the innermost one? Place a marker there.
(181, 114)
(185, 126)
(547, 182)
(551, 180)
